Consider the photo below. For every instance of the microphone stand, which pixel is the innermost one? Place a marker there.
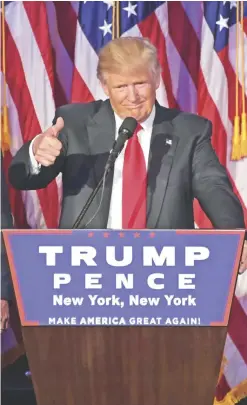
(90, 200)
(124, 134)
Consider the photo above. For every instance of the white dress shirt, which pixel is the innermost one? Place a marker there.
(35, 166)
(144, 136)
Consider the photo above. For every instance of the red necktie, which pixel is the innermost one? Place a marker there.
(134, 197)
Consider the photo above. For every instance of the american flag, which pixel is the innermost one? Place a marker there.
(51, 59)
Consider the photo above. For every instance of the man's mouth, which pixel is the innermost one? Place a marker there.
(133, 107)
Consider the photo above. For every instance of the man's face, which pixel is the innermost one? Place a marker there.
(132, 95)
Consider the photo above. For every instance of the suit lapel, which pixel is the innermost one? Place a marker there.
(101, 136)
(162, 151)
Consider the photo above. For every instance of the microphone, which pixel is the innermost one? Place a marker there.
(125, 132)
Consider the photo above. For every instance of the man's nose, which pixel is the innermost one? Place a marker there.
(132, 93)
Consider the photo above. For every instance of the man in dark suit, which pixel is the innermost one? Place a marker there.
(6, 283)
(162, 168)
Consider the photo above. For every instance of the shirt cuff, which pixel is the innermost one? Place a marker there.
(34, 165)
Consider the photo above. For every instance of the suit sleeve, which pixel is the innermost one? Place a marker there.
(21, 175)
(212, 187)
(6, 282)
(6, 222)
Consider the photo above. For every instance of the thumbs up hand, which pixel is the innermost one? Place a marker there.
(46, 146)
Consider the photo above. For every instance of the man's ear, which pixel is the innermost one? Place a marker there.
(105, 88)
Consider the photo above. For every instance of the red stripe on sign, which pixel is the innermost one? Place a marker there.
(179, 23)
(237, 329)
(150, 27)
(28, 123)
(37, 15)
(15, 197)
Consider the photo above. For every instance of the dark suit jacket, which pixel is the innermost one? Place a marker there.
(6, 222)
(182, 166)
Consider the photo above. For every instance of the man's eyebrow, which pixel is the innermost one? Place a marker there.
(126, 84)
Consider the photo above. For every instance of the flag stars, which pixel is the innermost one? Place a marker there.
(109, 3)
(131, 9)
(222, 22)
(106, 28)
(232, 3)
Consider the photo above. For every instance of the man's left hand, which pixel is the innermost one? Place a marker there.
(4, 315)
(243, 261)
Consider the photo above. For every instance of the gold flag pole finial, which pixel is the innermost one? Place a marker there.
(5, 134)
(243, 140)
(236, 152)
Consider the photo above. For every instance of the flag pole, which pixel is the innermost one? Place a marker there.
(243, 141)
(113, 20)
(117, 19)
(5, 136)
(236, 152)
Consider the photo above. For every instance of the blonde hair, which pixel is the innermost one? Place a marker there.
(127, 54)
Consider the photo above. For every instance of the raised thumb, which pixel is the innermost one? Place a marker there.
(58, 126)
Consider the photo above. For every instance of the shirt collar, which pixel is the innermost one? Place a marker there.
(146, 125)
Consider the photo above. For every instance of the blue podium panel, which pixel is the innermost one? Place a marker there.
(102, 278)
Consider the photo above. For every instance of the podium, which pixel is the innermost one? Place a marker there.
(124, 317)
